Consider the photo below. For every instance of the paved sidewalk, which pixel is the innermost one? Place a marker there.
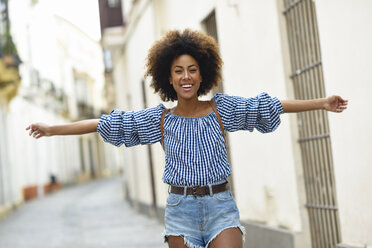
(92, 215)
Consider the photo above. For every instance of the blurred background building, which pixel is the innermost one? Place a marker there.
(61, 79)
(305, 185)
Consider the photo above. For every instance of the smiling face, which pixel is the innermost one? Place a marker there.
(185, 77)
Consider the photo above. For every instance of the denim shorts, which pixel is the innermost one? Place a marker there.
(199, 219)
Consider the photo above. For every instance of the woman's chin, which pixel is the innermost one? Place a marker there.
(187, 95)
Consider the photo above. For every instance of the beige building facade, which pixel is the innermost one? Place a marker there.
(62, 81)
(275, 176)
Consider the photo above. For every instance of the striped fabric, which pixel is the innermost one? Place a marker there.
(195, 152)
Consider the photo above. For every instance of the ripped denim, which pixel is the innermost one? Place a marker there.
(200, 219)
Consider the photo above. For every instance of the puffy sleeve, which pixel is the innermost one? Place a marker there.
(238, 113)
(132, 127)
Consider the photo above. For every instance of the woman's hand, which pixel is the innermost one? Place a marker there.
(332, 103)
(38, 130)
(335, 104)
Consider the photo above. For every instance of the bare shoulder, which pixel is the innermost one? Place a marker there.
(205, 108)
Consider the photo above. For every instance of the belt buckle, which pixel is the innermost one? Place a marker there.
(194, 190)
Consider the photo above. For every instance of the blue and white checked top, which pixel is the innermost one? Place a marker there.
(195, 152)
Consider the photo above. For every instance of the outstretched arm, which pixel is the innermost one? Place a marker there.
(38, 130)
(332, 103)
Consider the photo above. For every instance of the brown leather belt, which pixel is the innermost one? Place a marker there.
(199, 190)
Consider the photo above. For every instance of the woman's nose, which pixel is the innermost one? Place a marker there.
(186, 75)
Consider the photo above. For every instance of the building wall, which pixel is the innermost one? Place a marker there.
(267, 168)
(43, 157)
(346, 39)
(26, 162)
(261, 196)
(254, 188)
(258, 159)
(252, 194)
(53, 52)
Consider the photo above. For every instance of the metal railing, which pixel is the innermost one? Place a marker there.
(314, 138)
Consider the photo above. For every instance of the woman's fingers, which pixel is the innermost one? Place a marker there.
(337, 104)
(34, 131)
(341, 99)
(343, 105)
(343, 102)
(341, 108)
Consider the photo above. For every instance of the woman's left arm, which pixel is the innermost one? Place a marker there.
(332, 103)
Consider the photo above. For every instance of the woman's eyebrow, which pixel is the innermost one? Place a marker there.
(179, 66)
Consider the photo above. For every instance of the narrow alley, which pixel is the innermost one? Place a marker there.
(90, 215)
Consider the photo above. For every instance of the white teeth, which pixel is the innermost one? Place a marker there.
(186, 86)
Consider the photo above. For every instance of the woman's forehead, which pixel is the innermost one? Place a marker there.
(184, 60)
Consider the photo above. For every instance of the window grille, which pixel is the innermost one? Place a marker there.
(314, 138)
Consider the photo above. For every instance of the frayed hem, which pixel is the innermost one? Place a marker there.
(241, 228)
(189, 244)
(185, 241)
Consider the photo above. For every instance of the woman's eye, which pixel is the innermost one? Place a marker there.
(193, 70)
(178, 72)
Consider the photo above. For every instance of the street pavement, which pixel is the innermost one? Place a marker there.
(91, 215)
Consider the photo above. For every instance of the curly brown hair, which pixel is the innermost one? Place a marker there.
(203, 48)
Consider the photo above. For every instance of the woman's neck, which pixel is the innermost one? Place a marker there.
(191, 108)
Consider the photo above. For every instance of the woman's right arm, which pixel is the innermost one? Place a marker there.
(38, 130)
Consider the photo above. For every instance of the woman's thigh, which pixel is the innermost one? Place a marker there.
(231, 237)
(176, 242)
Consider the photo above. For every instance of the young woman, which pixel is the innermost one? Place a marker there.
(200, 210)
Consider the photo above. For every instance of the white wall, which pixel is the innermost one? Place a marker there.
(267, 168)
(179, 14)
(139, 41)
(255, 67)
(263, 165)
(53, 47)
(346, 37)
(32, 161)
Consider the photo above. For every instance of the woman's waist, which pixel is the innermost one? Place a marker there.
(182, 174)
(210, 189)
(218, 182)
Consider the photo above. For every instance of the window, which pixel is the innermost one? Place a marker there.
(113, 3)
(314, 138)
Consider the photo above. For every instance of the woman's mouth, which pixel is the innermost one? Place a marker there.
(186, 87)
